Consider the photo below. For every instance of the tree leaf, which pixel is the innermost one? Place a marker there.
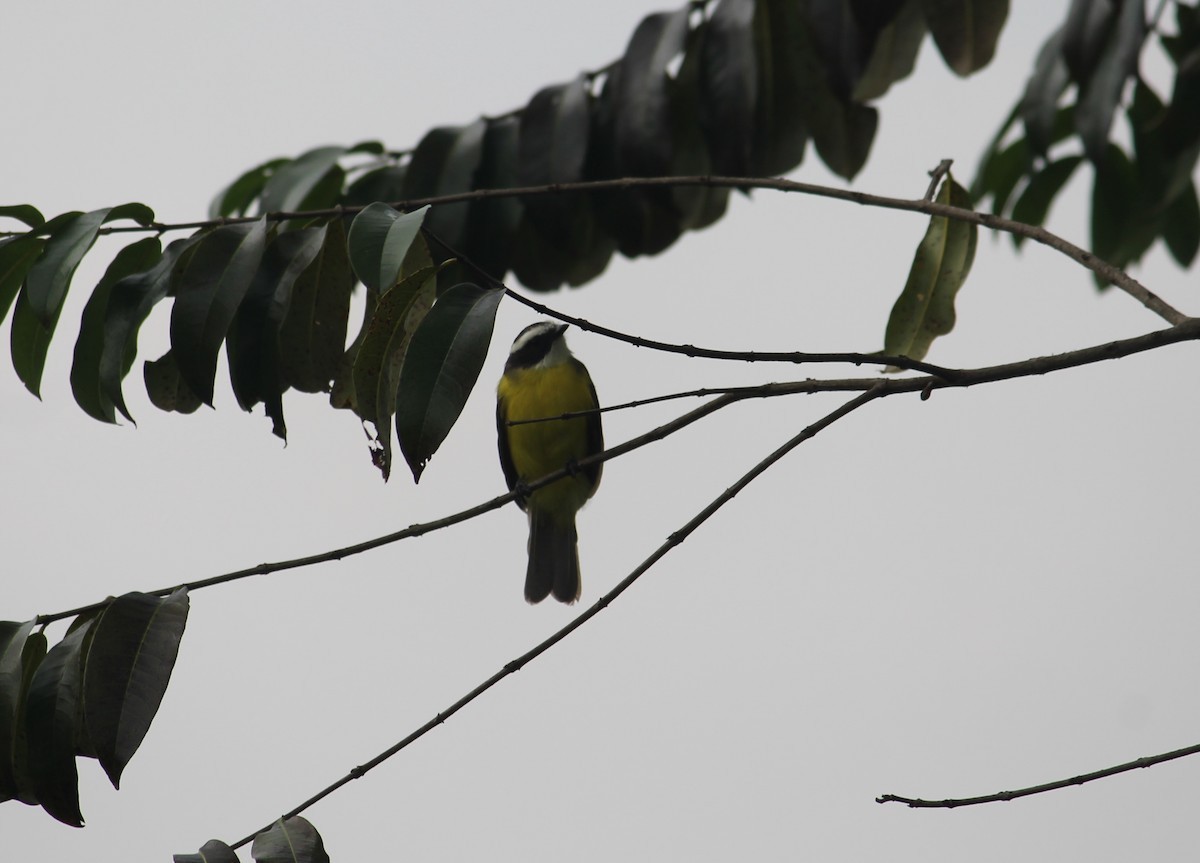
(17, 255)
(493, 221)
(384, 185)
(51, 717)
(925, 309)
(49, 278)
(552, 148)
(1115, 185)
(210, 290)
(1181, 227)
(1039, 103)
(965, 31)
(443, 163)
(292, 841)
(894, 53)
(341, 394)
(381, 355)
(303, 182)
(89, 347)
(440, 370)
(729, 86)
(129, 303)
(26, 213)
(253, 340)
(1085, 33)
(127, 670)
(379, 240)
(13, 640)
(698, 206)
(236, 198)
(29, 343)
(313, 336)
(643, 120)
(839, 46)
(789, 79)
(1034, 203)
(1100, 92)
(166, 387)
(212, 851)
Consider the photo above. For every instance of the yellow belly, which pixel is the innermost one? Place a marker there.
(541, 448)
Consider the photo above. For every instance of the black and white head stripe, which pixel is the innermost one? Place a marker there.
(539, 344)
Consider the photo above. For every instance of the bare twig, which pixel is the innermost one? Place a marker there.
(603, 602)
(954, 803)
(1187, 331)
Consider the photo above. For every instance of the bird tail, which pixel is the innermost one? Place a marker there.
(553, 558)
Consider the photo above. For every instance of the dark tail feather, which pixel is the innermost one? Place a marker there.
(553, 559)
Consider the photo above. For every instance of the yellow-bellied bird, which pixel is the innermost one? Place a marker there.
(543, 380)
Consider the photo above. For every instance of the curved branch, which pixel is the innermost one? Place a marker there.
(603, 602)
(953, 803)
(926, 384)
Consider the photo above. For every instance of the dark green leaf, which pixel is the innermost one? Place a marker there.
(212, 851)
(32, 655)
(440, 369)
(166, 388)
(303, 183)
(381, 355)
(13, 638)
(253, 340)
(1039, 104)
(379, 240)
(17, 255)
(127, 670)
(1086, 31)
(51, 717)
(643, 117)
(1034, 203)
(1004, 172)
(457, 174)
(210, 290)
(966, 31)
(292, 841)
(50, 276)
(493, 222)
(89, 347)
(313, 336)
(894, 55)
(698, 206)
(925, 309)
(129, 303)
(26, 213)
(341, 395)
(1115, 186)
(1100, 92)
(30, 342)
(790, 84)
(729, 82)
(238, 196)
(838, 44)
(1181, 227)
(384, 185)
(553, 140)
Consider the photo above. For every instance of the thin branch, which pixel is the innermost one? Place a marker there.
(935, 177)
(954, 803)
(925, 384)
(602, 603)
(1105, 270)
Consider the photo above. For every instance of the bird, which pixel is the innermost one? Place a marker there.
(543, 380)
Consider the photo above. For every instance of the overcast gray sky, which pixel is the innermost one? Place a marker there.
(986, 590)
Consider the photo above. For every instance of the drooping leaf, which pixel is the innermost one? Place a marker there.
(237, 198)
(127, 670)
(440, 369)
(29, 343)
(384, 185)
(31, 657)
(553, 140)
(1002, 173)
(26, 213)
(86, 382)
(380, 237)
(253, 341)
(1039, 103)
(51, 718)
(493, 221)
(313, 336)
(1181, 227)
(1085, 33)
(17, 255)
(838, 43)
(1115, 185)
(729, 82)
(292, 841)
(1034, 203)
(304, 182)
(643, 118)
(166, 387)
(210, 290)
(894, 53)
(341, 394)
(1100, 92)
(698, 206)
(443, 163)
(925, 308)
(790, 86)
(13, 638)
(966, 31)
(212, 851)
(50, 276)
(129, 303)
(394, 319)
